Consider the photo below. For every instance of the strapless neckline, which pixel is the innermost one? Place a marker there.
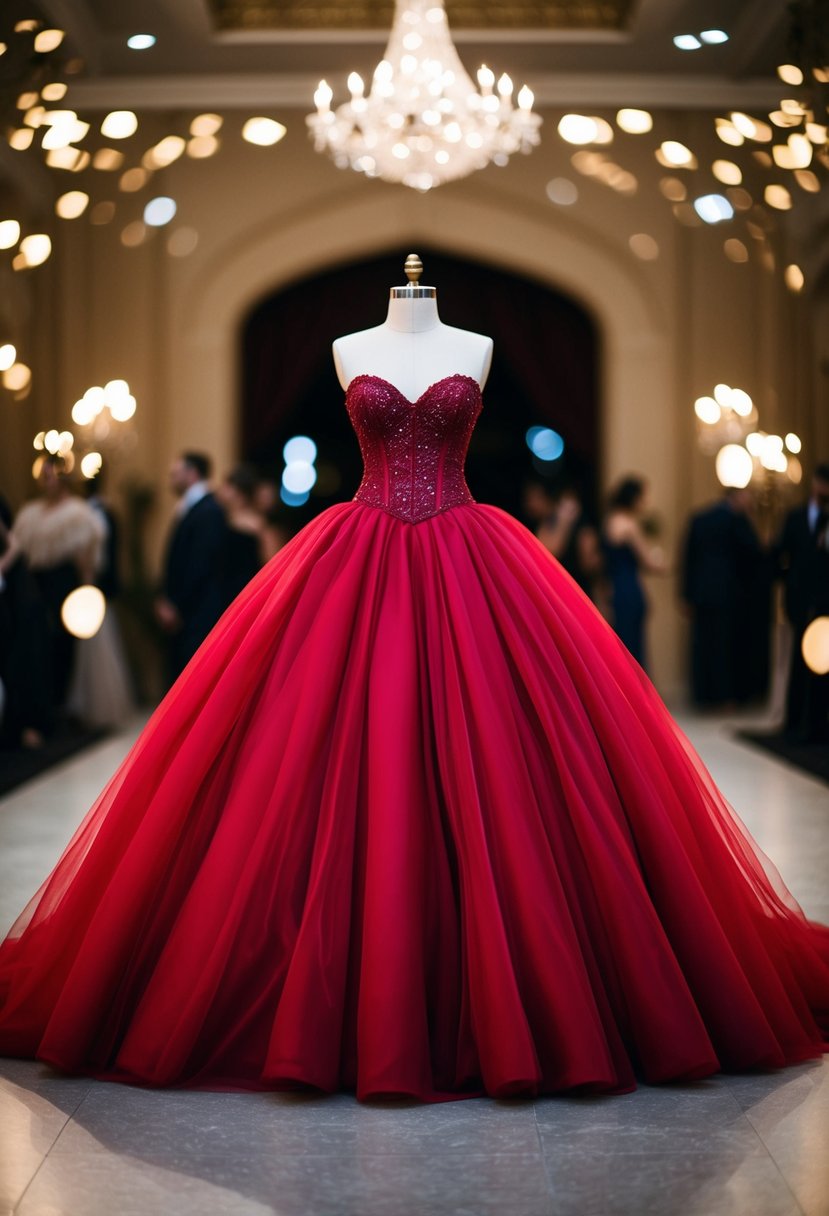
(429, 389)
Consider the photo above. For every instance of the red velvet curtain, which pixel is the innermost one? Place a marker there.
(545, 370)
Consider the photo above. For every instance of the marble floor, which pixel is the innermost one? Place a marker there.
(752, 1145)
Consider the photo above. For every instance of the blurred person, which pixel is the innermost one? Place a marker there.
(574, 540)
(539, 503)
(267, 502)
(61, 538)
(26, 713)
(100, 690)
(250, 539)
(192, 598)
(802, 560)
(722, 575)
(627, 553)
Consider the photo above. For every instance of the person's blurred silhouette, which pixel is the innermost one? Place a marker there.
(27, 712)
(628, 552)
(802, 559)
(192, 598)
(100, 691)
(245, 547)
(61, 538)
(722, 584)
(563, 527)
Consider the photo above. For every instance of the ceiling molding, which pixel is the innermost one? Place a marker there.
(335, 15)
(189, 92)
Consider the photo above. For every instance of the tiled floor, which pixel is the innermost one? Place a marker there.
(753, 1145)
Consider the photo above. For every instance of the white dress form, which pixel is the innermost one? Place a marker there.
(412, 349)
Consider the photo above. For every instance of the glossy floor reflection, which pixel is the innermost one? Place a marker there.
(750, 1145)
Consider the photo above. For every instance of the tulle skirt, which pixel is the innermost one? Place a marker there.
(412, 822)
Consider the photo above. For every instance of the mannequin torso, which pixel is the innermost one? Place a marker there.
(412, 349)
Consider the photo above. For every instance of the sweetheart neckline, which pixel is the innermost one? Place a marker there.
(426, 391)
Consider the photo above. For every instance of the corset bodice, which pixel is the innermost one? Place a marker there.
(413, 451)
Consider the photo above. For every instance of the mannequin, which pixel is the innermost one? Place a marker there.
(412, 349)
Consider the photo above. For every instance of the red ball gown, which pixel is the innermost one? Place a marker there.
(412, 822)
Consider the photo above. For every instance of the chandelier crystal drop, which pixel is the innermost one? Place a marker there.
(423, 121)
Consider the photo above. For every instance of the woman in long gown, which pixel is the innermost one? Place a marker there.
(412, 822)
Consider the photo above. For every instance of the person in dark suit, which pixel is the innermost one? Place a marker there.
(192, 600)
(802, 558)
(725, 585)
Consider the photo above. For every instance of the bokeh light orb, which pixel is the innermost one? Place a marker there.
(300, 447)
(734, 466)
(815, 646)
(83, 611)
(545, 443)
(159, 211)
(299, 476)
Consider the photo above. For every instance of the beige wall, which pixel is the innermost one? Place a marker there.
(670, 329)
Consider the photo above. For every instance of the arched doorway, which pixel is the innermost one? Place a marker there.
(545, 371)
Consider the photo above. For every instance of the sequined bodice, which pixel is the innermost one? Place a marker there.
(413, 451)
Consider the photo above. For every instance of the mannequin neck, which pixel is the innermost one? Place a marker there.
(412, 316)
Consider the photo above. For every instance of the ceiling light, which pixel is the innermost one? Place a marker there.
(714, 37)
(676, 154)
(422, 78)
(687, 42)
(48, 40)
(634, 122)
(141, 42)
(789, 73)
(206, 124)
(120, 124)
(794, 280)
(713, 208)
(263, 131)
(72, 204)
(777, 196)
(9, 233)
(159, 211)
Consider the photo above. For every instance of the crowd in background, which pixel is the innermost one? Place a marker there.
(726, 582)
(64, 539)
(220, 538)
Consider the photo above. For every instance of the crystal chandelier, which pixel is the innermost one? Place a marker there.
(423, 121)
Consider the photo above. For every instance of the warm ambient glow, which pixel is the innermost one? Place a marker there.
(83, 610)
(114, 395)
(263, 131)
(676, 154)
(634, 122)
(815, 646)
(778, 197)
(35, 249)
(48, 40)
(72, 204)
(734, 466)
(91, 464)
(206, 124)
(585, 129)
(793, 277)
(17, 378)
(120, 124)
(707, 410)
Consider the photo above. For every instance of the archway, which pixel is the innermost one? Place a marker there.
(545, 370)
